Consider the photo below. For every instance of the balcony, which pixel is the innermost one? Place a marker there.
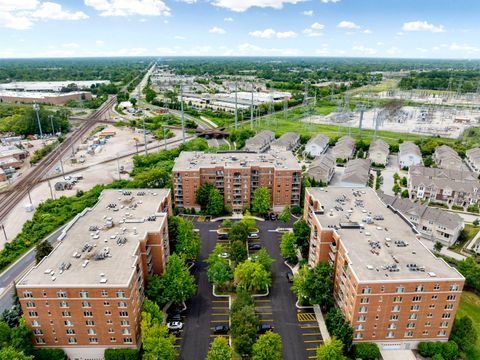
(331, 255)
(333, 247)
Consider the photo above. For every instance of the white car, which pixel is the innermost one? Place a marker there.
(175, 325)
(253, 236)
(224, 255)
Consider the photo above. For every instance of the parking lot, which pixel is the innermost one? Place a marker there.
(298, 329)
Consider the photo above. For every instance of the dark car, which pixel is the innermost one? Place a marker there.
(266, 217)
(221, 329)
(273, 217)
(174, 317)
(223, 237)
(254, 247)
(289, 276)
(263, 328)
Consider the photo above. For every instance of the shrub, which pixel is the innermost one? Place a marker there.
(366, 351)
(121, 354)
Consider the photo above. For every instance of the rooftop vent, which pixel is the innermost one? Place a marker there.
(432, 274)
(350, 225)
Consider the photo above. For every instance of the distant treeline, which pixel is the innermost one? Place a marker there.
(463, 81)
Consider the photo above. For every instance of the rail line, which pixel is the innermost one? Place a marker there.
(35, 175)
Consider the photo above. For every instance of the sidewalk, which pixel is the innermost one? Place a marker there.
(321, 322)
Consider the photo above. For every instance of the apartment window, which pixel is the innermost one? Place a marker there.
(411, 326)
(91, 331)
(86, 304)
(448, 307)
(419, 288)
(396, 308)
(66, 314)
(83, 294)
(90, 323)
(120, 294)
(30, 304)
(109, 322)
(358, 336)
(32, 314)
(68, 323)
(366, 291)
(413, 316)
(454, 287)
(27, 294)
(40, 341)
(394, 317)
(431, 306)
(61, 294)
(436, 287)
(364, 301)
(397, 299)
(361, 318)
(392, 326)
(112, 339)
(425, 332)
(35, 323)
(125, 331)
(122, 304)
(125, 323)
(106, 303)
(123, 313)
(87, 314)
(446, 316)
(428, 324)
(104, 293)
(442, 333)
(127, 340)
(444, 324)
(72, 340)
(451, 297)
(390, 334)
(434, 297)
(409, 334)
(111, 331)
(429, 315)
(417, 298)
(38, 332)
(70, 332)
(400, 289)
(415, 307)
(93, 340)
(360, 327)
(108, 313)
(363, 310)
(63, 304)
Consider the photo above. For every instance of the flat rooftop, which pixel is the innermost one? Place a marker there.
(378, 250)
(107, 250)
(195, 160)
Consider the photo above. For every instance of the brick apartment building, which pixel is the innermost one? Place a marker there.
(237, 175)
(86, 296)
(388, 285)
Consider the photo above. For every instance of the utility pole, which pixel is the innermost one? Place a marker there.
(118, 169)
(29, 197)
(51, 191)
(165, 137)
(183, 115)
(145, 136)
(51, 122)
(236, 110)
(36, 108)
(251, 111)
(4, 233)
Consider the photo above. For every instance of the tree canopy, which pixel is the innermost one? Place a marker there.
(261, 201)
(267, 347)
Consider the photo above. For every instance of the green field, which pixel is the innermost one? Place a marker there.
(470, 305)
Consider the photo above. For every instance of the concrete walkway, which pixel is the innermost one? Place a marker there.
(321, 323)
(430, 244)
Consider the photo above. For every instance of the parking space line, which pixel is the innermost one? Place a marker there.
(264, 313)
(218, 321)
(220, 314)
(311, 334)
(266, 320)
(220, 307)
(309, 327)
(220, 301)
(311, 349)
(263, 300)
(313, 341)
(263, 307)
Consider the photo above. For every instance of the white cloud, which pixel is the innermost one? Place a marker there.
(363, 50)
(71, 45)
(188, 1)
(14, 22)
(347, 25)
(367, 31)
(229, 19)
(129, 7)
(247, 49)
(308, 13)
(400, 33)
(394, 51)
(243, 5)
(99, 42)
(463, 47)
(317, 26)
(178, 37)
(54, 11)
(216, 30)
(270, 33)
(422, 26)
(16, 5)
(422, 50)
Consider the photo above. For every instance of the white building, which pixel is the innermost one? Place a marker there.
(317, 145)
(409, 154)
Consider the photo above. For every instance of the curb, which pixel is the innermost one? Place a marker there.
(298, 306)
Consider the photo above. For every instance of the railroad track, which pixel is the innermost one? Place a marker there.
(35, 175)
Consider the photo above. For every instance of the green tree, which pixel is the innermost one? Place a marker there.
(438, 246)
(404, 194)
(157, 342)
(185, 241)
(215, 204)
(366, 351)
(450, 350)
(42, 249)
(13, 354)
(219, 349)
(239, 232)
(288, 249)
(437, 357)
(314, 286)
(219, 273)
(285, 215)
(264, 259)
(301, 230)
(261, 201)
(464, 333)
(331, 350)
(238, 251)
(267, 347)
(153, 309)
(252, 276)
(243, 329)
(340, 328)
(121, 354)
(50, 354)
(4, 334)
(404, 181)
(21, 337)
(476, 222)
(396, 188)
(428, 161)
(396, 177)
(133, 101)
(202, 194)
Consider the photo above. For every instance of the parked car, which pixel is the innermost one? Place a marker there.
(224, 255)
(289, 276)
(221, 329)
(263, 328)
(223, 237)
(175, 317)
(175, 325)
(266, 217)
(254, 247)
(253, 236)
(273, 217)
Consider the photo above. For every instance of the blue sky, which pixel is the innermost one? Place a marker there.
(357, 28)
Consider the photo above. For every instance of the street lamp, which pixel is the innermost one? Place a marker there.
(36, 108)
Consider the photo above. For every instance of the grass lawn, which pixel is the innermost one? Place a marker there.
(470, 305)
(468, 234)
